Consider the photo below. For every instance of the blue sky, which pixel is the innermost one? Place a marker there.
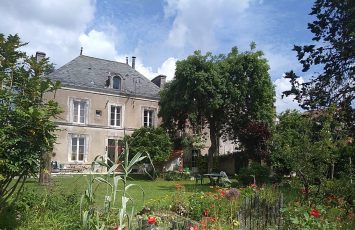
(159, 33)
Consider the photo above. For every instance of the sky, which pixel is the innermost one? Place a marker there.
(159, 33)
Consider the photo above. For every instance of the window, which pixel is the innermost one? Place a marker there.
(98, 113)
(78, 147)
(116, 83)
(115, 119)
(79, 112)
(148, 118)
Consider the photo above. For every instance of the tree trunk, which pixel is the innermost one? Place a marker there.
(332, 172)
(45, 169)
(213, 150)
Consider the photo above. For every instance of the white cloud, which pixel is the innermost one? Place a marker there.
(167, 68)
(49, 26)
(195, 22)
(98, 44)
(285, 103)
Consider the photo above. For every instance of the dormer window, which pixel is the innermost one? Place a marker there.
(116, 82)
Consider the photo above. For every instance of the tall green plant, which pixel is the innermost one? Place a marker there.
(90, 214)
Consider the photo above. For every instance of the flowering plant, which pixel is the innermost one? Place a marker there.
(315, 213)
(152, 220)
(304, 217)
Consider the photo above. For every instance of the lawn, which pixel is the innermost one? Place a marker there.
(58, 206)
(153, 190)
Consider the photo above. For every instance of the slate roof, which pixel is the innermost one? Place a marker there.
(91, 73)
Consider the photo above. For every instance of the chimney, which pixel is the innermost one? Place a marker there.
(159, 80)
(127, 60)
(40, 56)
(133, 62)
(81, 51)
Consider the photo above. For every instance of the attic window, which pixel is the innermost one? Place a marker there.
(116, 82)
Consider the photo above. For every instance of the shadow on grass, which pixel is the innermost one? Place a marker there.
(9, 218)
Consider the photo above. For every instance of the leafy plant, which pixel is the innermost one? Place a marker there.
(26, 117)
(255, 171)
(91, 215)
(305, 217)
(153, 141)
(176, 176)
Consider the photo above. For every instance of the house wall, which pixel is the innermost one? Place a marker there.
(97, 129)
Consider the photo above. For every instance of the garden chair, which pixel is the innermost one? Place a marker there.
(198, 177)
(224, 181)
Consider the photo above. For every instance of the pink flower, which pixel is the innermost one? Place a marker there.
(315, 213)
(152, 220)
(116, 227)
(253, 185)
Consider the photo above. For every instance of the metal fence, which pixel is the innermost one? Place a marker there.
(258, 213)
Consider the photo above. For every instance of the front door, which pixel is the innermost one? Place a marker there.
(114, 150)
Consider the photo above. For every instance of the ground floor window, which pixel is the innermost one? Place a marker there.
(114, 150)
(78, 147)
(148, 118)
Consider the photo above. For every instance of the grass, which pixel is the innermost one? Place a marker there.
(152, 189)
(57, 206)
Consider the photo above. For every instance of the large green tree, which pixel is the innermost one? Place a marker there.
(333, 54)
(26, 128)
(250, 101)
(222, 93)
(195, 99)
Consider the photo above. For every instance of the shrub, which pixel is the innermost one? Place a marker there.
(176, 176)
(260, 172)
(154, 141)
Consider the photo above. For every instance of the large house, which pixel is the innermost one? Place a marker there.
(102, 101)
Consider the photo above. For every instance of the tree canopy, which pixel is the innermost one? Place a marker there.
(26, 128)
(310, 145)
(220, 92)
(333, 51)
(154, 141)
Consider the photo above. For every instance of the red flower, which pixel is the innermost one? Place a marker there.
(315, 213)
(223, 193)
(193, 227)
(152, 220)
(116, 227)
(205, 212)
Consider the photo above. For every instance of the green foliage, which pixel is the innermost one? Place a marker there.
(153, 141)
(261, 173)
(26, 124)
(176, 176)
(300, 217)
(332, 50)
(222, 93)
(55, 208)
(307, 144)
(94, 218)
